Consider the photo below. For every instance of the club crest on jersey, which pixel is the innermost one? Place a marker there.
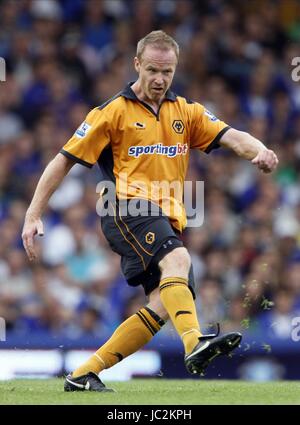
(210, 115)
(82, 130)
(178, 126)
(158, 149)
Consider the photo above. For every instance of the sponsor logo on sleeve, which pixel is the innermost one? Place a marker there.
(210, 115)
(82, 130)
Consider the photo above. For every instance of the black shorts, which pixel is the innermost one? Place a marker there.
(141, 241)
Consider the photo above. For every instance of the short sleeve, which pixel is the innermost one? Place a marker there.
(206, 129)
(89, 140)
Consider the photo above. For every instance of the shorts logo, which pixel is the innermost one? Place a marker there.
(178, 126)
(158, 149)
(82, 130)
(150, 238)
(169, 242)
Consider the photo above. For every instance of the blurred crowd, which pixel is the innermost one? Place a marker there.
(64, 57)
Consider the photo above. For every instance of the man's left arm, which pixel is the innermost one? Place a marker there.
(248, 147)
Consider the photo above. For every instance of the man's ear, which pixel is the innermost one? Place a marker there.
(137, 65)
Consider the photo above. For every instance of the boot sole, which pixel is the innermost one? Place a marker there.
(199, 361)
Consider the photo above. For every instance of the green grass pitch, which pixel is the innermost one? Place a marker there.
(153, 391)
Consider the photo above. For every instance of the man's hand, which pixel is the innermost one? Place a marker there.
(266, 160)
(51, 178)
(32, 226)
(250, 148)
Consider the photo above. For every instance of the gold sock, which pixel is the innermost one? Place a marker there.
(129, 337)
(178, 301)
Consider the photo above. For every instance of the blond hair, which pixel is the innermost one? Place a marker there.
(158, 39)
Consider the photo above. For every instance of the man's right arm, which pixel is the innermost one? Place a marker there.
(51, 178)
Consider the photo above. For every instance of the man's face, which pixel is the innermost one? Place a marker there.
(156, 71)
